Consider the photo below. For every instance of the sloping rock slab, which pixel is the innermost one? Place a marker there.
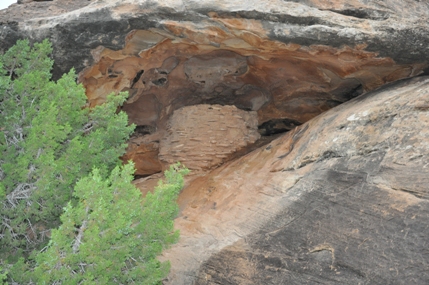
(342, 199)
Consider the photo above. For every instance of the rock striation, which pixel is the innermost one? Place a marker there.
(220, 133)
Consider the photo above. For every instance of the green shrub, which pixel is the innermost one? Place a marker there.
(60, 177)
(48, 140)
(111, 236)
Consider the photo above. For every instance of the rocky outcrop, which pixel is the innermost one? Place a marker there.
(392, 28)
(286, 60)
(342, 199)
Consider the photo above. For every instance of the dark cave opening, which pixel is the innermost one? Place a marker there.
(277, 126)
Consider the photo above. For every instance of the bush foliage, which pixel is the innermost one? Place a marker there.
(61, 159)
(48, 140)
(112, 235)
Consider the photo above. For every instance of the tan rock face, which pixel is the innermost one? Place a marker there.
(205, 136)
(341, 198)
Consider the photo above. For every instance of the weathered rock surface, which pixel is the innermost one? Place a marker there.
(342, 199)
(144, 155)
(393, 28)
(287, 60)
(220, 132)
(265, 56)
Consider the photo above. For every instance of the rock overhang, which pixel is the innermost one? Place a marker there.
(233, 61)
(222, 62)
(78, 24)
(288, 61)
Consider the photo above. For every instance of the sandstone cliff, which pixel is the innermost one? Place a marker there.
(308, 168)
(341, 199)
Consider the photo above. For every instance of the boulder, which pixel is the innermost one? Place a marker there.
(221, 132)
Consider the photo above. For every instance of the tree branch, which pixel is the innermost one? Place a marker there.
(78, 240)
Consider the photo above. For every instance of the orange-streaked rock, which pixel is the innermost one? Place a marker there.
(232, 62)
(145, 157)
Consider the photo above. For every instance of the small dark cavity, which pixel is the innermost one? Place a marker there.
(113, 74)
(283, 155)
(306, 162)
(355, 92)
(143, 130)
(137, 176)
(160, 81)
(137, 77)
(328, 155)
(277, 126)
(345, 93)
(369, 14)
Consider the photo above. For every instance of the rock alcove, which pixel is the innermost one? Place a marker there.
(236, 88)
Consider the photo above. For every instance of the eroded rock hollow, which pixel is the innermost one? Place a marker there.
(288, 61)
(229, 62)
